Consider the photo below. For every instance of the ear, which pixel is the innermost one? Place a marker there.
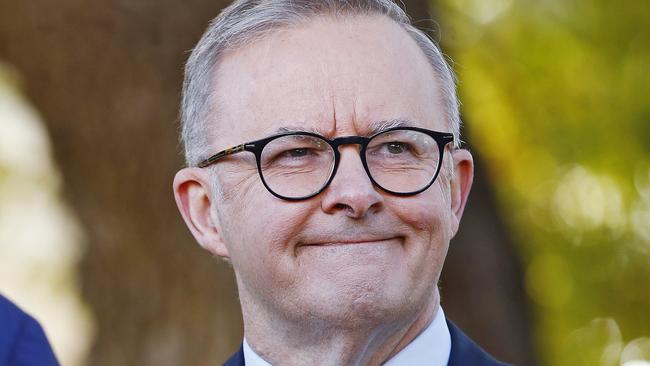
(460, 185)
(192, 190)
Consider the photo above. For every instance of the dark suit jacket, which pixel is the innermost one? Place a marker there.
(464, 352)
(22, 340)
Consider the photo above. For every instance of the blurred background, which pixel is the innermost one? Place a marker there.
(552, 264)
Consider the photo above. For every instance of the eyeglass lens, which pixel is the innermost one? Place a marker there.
(400, 161)
(296, 165)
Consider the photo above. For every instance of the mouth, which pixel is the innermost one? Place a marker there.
(358, 250)
(349, 241)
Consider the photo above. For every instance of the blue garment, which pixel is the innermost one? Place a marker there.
(22, 340)
(464, 352)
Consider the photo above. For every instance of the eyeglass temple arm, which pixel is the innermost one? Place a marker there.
(447, 138)
(221, 154)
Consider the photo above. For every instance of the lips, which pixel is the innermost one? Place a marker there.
(364, 234)
(348, 241)
(360, 242)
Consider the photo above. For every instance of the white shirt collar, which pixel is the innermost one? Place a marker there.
(431, 348)
(251, 358)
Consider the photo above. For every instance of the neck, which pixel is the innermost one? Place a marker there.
(320, 343)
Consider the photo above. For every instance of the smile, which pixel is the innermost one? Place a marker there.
(336, 242)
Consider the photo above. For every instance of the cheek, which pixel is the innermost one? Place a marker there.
(428, 217)
(425, 212)
(259, 230)
(263, 253)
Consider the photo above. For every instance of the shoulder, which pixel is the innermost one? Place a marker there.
(465, 352)
(22, 340)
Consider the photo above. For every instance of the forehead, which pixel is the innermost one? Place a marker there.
(338, 76)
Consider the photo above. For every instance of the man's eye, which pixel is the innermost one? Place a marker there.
(396, 147)
(297, 153)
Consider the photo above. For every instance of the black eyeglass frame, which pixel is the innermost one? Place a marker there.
(256, 147)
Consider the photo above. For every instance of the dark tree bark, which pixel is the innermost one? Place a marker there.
(106, 78)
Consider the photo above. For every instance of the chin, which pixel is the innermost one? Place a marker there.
(364, 303)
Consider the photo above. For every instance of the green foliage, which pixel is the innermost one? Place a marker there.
(556, 95)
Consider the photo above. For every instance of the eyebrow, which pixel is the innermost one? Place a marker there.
(378, 126)
(374, 128)
(289, 129)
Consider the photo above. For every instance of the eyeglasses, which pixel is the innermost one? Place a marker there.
(295, 166)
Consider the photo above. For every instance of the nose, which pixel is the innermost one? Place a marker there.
(351, 191)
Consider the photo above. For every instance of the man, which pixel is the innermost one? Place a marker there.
(322, 146)
(22, 340)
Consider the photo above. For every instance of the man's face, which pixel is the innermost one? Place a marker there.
(353, 252)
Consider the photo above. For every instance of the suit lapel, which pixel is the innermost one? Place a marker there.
(464, 352)
(237, 359)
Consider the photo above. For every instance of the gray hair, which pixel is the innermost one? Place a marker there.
(245, 21)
